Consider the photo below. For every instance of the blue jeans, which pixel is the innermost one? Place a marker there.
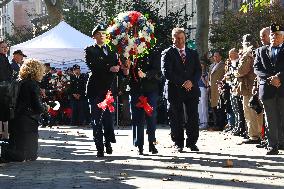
(138, 116)
(102, 124)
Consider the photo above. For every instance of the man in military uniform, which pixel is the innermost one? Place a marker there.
(103, 64)
(269, 68)
(77, 92)
(46, 92)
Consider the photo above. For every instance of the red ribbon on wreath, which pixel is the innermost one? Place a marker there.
(107, 103)
(143, 103)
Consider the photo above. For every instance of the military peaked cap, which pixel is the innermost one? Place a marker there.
(99, 27)
(275, 27)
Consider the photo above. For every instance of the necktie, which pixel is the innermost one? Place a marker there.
(182, 54)
(275, 51)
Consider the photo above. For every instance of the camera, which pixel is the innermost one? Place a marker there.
(255, 104)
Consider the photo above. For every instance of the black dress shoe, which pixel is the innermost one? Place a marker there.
(140, 150)
(250, 141)
(108, 148)
(194, 148)
(100, 154)
(180, 149)
(153, 149)
(262, 145)
(272, 151)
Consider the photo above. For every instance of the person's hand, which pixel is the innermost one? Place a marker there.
(114, 69)
(254, 90)
(275, 81)
(141, 74)
(76, 96)
(187, 85)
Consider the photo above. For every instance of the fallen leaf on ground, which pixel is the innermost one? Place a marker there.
(229, 163)
(123, 174)
(237, 180)
(167, 179)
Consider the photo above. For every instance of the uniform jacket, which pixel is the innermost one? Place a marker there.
(245, 73)
(77, 85)
(151, 66)
(177, 72)
(215, 75)
(264, 68)
(99, 63)
(5, 68)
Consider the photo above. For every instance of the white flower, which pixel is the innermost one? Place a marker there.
(115, 42)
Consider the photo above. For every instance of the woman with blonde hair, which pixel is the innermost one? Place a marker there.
(23, 142)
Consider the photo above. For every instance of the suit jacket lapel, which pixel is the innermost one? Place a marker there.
(279, 52)
(177, 55)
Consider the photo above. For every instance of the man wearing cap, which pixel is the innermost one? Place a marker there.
(77, 90)
(17, 61)
(103, 64)
(269, 68)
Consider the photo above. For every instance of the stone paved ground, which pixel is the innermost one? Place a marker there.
(67, 160)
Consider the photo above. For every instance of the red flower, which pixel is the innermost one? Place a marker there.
(67, 112)
(52, 113)
(133, 17)
(152, 36)
(107, 103)
(148, 44)
(142, 39)
(117, 31)
(119, 49)
(132, 52)
(143, 103)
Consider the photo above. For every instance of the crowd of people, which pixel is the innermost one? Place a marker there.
(244, 94)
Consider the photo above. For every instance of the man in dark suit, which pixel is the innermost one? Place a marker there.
(17, 61)
(182, 69)
(269, 68)
(77, 92)
(103, 64)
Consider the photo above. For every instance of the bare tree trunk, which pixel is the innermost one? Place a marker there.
(4, 2)
(202, 29)
(54, 9)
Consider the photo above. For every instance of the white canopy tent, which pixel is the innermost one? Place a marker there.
(62, 47)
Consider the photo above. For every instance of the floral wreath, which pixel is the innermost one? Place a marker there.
(131, 34)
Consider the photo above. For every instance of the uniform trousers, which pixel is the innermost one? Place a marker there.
(274, 117)
(102, 123)
(138, 118)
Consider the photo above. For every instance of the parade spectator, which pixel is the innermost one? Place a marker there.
(182, 69)
(264, 36)
(144, 81)
(246, 78)
(269, 68)
(77, 90)
(103, 64)
(238, 129)
(5, 75)
(17, 62)
(23, 142)
(203, 100)
(216, 74)
(46, 93)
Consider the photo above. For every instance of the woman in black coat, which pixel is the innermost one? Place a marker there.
(23, 141)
